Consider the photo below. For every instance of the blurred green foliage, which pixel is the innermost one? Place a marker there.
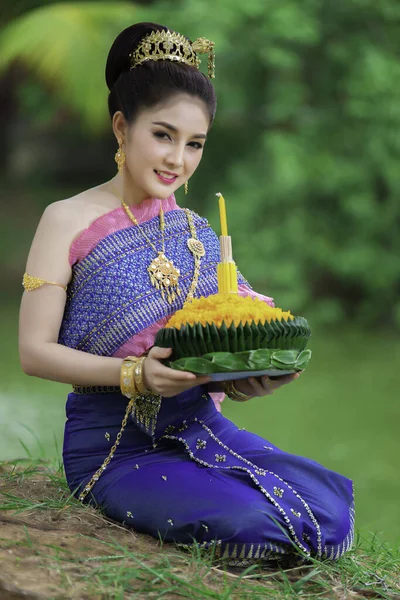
(305, 147)
(66, 46)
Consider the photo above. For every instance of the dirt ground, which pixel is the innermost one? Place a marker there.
(51, 547)
(29, 548)
(45, 550)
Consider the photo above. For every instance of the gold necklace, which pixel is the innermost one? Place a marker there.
(164, 276)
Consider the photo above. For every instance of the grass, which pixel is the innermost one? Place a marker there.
(52, 546)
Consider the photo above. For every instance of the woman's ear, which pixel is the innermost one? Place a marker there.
(119, 125)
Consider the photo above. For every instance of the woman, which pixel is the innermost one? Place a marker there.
(167, 463)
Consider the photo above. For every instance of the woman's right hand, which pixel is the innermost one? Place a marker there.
(165, 381)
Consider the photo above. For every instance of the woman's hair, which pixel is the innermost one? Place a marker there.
(151, 82)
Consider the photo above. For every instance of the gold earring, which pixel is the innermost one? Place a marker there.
(120, 157)
(186, 187)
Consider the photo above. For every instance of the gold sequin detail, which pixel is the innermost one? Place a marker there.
(220, 457)
(278, 492)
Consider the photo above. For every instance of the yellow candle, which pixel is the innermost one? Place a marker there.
(227, 278)
(222, 214)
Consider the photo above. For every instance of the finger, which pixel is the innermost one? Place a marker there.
(170, 389)
(258, 388)
(197, 382)
(284, 379)
(166, 375)
(160, 353)
(157, 353)
(176, 375)
(200, 379)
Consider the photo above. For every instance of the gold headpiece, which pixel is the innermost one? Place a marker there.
(166, 45)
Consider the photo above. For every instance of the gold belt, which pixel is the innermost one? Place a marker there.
(95, 389)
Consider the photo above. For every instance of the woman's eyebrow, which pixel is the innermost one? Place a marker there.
(175, 130)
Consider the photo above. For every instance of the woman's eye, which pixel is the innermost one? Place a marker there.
(196, 145)
(162, 135)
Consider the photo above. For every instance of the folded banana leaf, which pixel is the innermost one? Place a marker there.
(250, 360)
(197, 340)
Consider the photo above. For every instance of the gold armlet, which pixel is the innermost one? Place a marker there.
(234, 394)
(31, 283)
(127, 379)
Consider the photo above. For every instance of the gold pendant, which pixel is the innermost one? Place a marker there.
(165, 276)
(196, 247)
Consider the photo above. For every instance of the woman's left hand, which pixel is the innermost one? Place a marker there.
(263, 386)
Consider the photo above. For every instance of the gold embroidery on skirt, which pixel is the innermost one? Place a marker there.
(145, 411)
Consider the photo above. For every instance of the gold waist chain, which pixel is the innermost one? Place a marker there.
(106, 462)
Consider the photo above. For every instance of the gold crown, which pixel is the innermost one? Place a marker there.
(166, 45)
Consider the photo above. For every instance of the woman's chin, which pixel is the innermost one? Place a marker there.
(163, 193)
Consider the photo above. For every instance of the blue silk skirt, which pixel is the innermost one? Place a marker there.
(185, 473)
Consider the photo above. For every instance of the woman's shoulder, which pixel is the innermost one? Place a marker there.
(79, 211)
(71, 217)
(60, 224)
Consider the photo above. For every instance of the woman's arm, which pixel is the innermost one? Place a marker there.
(42, 311)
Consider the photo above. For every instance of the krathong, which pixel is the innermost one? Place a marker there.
(226, 333)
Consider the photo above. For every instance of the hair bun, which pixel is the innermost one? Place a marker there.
(118, 60)
(132, 90)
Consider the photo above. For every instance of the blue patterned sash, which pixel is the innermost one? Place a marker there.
(110, 297)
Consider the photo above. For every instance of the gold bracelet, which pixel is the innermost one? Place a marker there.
(234, 394)
(138, 376)
(127, 379)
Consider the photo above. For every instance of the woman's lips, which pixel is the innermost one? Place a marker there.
(168, 179)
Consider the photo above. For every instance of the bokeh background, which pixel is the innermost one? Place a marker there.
(306, 150)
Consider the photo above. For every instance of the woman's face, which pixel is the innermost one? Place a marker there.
(164, 146)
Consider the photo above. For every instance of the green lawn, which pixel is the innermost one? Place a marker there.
(344, 412)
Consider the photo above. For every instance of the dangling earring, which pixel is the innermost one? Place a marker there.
(120, 157)
(186, 187)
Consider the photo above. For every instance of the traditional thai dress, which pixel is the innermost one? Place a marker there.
(182, 471)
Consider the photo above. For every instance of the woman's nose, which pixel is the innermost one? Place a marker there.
(176, 156)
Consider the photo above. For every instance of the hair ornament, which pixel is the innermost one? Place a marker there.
(167, 45)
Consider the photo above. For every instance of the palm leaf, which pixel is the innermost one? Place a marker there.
(66, 46)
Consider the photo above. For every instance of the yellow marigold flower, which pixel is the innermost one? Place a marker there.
(228, 308)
